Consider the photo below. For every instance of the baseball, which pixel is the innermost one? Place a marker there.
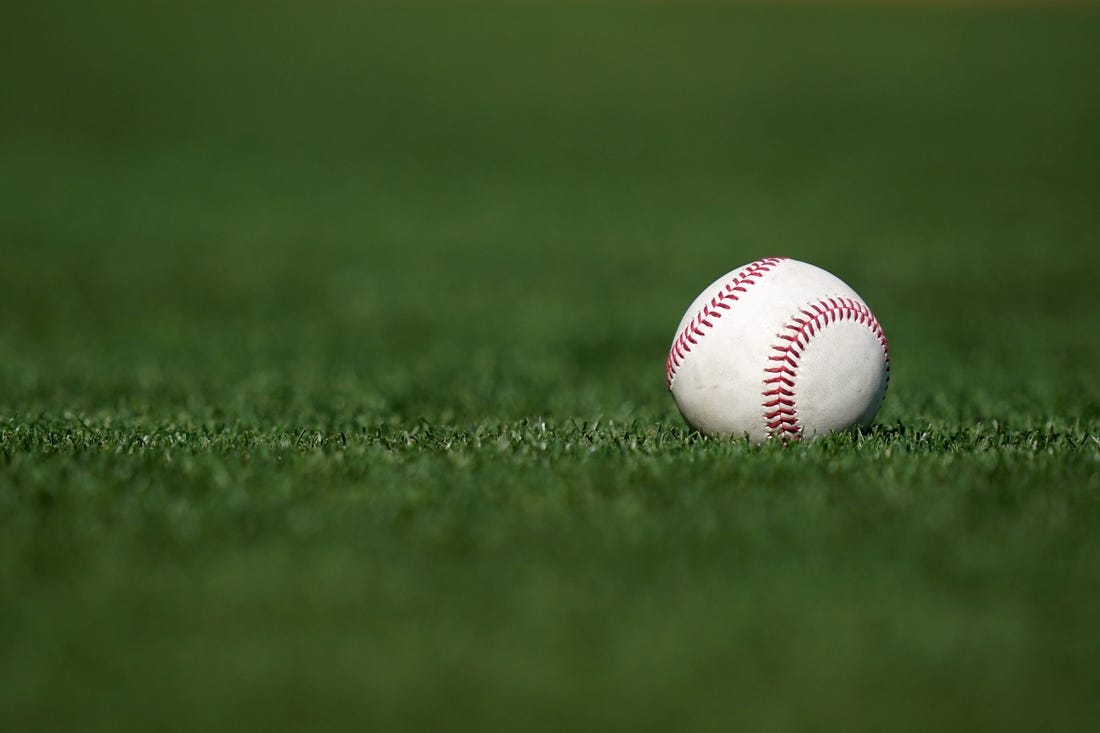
(778, 349)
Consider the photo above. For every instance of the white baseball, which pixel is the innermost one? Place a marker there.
(778, 349)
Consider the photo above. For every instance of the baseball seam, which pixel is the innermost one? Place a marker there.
(780, 411)
(703, 321)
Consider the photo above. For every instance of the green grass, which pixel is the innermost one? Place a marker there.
(331, 368)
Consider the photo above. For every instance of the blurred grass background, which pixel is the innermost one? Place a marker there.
(331, 351)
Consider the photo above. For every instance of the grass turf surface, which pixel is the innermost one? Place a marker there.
(331, 368)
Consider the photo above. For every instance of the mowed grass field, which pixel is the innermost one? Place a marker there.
(332, 340)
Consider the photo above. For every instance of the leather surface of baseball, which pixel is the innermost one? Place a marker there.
(778, 349)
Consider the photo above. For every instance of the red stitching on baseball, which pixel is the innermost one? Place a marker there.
(712, 311)
(779, 380)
